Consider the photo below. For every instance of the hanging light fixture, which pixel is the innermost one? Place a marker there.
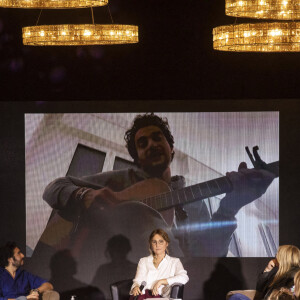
(53, 4)
(79, 34)
(259, 37)
(72, 34)
(264, 9)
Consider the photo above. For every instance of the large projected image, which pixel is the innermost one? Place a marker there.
(68, 156)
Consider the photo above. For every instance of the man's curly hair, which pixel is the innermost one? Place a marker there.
(7, 252)
(141, 121)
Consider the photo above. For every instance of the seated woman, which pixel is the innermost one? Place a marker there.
(297, 285)
(279, 273)
(158, 270)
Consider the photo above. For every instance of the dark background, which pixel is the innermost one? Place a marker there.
(172, 68)
(173, 60)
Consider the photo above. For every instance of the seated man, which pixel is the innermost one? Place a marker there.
(19, 284)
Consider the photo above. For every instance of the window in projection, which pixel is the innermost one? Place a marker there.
(268, 240)
(121, 163)
(86, 161)
(207, 146)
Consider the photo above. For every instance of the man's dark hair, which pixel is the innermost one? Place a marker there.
(141, 121)
(7, 252)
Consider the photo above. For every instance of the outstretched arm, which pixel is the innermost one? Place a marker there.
(248, 185)
(70, 194)
(35, 293)
(46, 286)
(61, 193)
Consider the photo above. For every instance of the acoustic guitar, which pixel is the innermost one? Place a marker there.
(153, 193)
(149, 204)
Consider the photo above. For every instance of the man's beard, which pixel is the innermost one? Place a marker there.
(156, 170)
(17, 263)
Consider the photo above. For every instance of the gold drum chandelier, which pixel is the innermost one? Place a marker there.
(259, 37)
(79, 34)
(53, 4)
(264, 9)
(72, 34)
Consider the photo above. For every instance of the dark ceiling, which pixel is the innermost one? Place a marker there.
(173, 60)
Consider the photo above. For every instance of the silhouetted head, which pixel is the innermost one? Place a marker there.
(62, 263)
(118, 246)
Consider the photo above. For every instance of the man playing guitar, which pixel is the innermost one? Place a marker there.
(114, 202)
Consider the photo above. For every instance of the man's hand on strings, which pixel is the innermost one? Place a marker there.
(248, 185)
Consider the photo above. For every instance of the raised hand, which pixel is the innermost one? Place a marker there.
(248, 185)
(272, 263)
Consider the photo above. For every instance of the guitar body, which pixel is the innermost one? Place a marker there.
(59, 229)
(147, 189)
(143, 207)
(89, 244)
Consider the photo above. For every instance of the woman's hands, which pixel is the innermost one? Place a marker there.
(136, 291)
(157, 285)
(272, 263)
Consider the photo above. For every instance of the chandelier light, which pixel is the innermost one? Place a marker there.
(264, 9)
(259, 37)
(79, 34)
(43, 4)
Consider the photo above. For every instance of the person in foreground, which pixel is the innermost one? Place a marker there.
(282, 294)
(279, 273)
(19, 284)
(297, 285)
(158, 270)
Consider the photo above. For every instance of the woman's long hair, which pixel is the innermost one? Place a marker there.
(282, 294)
(297, 285)
(288, 257)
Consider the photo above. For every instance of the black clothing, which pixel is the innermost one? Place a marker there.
(265, 279)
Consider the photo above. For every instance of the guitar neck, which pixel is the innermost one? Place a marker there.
(197, 192)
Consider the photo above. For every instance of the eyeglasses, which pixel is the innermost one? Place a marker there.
(160, 242)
